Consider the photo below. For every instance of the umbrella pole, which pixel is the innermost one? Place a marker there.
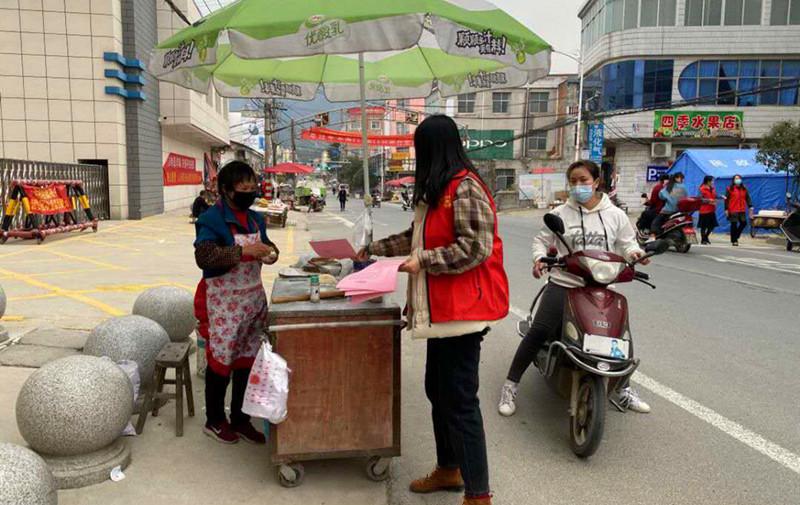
(364, 142)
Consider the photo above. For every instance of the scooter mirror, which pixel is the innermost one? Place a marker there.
(657, 247)
(554, 224)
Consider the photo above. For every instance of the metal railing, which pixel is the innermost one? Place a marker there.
(94, 178)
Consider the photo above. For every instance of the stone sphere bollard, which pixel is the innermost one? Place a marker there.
(25, 477)
(72, 411)
(172, 308)
(134, 338)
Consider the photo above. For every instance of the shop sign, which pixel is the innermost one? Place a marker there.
(654, 172)
(490, 144)
(181, 170)
(596, 142)
(698, 124)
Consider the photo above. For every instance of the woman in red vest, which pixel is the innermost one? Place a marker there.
(737, 205)
(708, 211)
(457, 290)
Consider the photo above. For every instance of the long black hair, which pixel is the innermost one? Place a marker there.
(440, 156)
(707, 179)
(673, 179)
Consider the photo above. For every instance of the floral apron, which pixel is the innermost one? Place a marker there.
(235, 313)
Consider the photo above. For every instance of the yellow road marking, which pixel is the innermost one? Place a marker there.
(108, 309)
(87, 260)
(67, 272)
(31, 297)
(108, 244)
(290, 240)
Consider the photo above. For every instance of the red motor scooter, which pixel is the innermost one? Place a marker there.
(594, 355)
(678, 229)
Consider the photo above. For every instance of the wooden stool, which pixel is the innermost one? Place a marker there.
(173, 355)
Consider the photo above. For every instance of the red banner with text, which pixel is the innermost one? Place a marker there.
(181, 170)
(48, 199)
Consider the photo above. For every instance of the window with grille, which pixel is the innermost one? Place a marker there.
(466, 103)
(538, 102)
(500, 102)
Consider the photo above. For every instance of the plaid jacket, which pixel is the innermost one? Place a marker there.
(474, 223)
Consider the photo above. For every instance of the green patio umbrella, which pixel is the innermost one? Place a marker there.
(353, 49)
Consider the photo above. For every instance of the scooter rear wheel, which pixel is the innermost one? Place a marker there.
(587, 423)
(683, 247)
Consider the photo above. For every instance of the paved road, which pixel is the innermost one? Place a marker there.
(719, 345)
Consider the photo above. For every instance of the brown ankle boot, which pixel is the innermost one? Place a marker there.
(442, 479)
(483, 500)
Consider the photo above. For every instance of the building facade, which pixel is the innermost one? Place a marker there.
(677, 74)
(73, 89)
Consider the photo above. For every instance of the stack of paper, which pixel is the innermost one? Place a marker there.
(374, 281)
(336, 249)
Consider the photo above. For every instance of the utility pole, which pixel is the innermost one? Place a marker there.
(269, 154)
(294, 144)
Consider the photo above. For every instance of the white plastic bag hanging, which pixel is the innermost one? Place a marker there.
(131, 369)
(362, 236)
(267, 390)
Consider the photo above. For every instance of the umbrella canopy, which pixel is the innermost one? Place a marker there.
(403, 181)
(289, 168)
(354, 49)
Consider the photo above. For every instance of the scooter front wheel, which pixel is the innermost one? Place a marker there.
(587, 423)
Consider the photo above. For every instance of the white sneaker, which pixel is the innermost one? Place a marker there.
(629, 398)
(508, 397)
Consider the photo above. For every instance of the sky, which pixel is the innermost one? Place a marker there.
(556, 21)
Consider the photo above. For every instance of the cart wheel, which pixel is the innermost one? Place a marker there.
(788, 245)
(4, 239)
(39, 239)
(752, 232)
(291, 475)
(378, 468)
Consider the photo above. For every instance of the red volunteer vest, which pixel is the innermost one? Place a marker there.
(480, 294)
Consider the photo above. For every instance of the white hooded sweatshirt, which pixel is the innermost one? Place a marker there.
(606, 228)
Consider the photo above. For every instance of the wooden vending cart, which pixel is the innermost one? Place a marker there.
(344, 387)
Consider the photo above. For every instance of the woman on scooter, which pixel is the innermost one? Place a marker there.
(591, 222)
(673, 192)
(708, 212)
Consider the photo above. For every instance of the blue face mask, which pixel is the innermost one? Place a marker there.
(582, 192)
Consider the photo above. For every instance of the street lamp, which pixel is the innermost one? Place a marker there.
(579, 60)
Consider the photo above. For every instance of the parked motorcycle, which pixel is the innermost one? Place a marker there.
(593, 357)
(406, 202)
(678, 229)
(316, 203)
(791, 227)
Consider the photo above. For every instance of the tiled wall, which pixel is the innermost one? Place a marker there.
(53, 105)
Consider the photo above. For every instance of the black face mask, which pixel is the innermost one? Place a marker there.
(244, 200)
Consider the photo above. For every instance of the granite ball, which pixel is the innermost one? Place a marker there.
(2, 302)
(172, 308)
(25, 477)
(74, 405)
(134, 338)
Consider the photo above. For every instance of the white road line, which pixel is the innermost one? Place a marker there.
(726, 278)
(764, 264)
(751, 439)
(347, 223)
(748, 437)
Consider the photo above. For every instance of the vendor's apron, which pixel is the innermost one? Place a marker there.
(236, 311)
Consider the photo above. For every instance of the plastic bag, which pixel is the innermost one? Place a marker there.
(362, 232)
(131, 369)
(267, 390)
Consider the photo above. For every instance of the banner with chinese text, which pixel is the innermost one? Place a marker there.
(698, 124)
(48, 199)
(181, 170)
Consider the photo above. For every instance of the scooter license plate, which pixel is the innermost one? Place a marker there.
(690, 235)
(604, 346)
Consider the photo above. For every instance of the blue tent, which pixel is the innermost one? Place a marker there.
(767, 189)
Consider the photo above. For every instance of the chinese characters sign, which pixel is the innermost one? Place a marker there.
(49, 199)
(596, 140)
(180, 170)
(698, 124)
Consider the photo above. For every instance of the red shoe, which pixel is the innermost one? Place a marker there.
(221, 432)
(246, 432)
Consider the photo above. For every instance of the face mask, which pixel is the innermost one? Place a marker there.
(582, 192)
(243, 200)
(738, 182)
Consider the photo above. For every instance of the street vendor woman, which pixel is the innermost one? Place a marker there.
(457, 289)
(230, 303)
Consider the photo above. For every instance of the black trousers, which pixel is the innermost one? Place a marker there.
(546, 326)
(646, 219)
(658, 223)
(738, 224)
(342, 204)
(451, 384)
(216, 386)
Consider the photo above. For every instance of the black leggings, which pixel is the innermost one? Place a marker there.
(546, 326)
(738, 224)
(216, 387)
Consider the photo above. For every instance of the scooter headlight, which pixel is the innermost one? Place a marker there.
(604, 272)
(571, 331)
